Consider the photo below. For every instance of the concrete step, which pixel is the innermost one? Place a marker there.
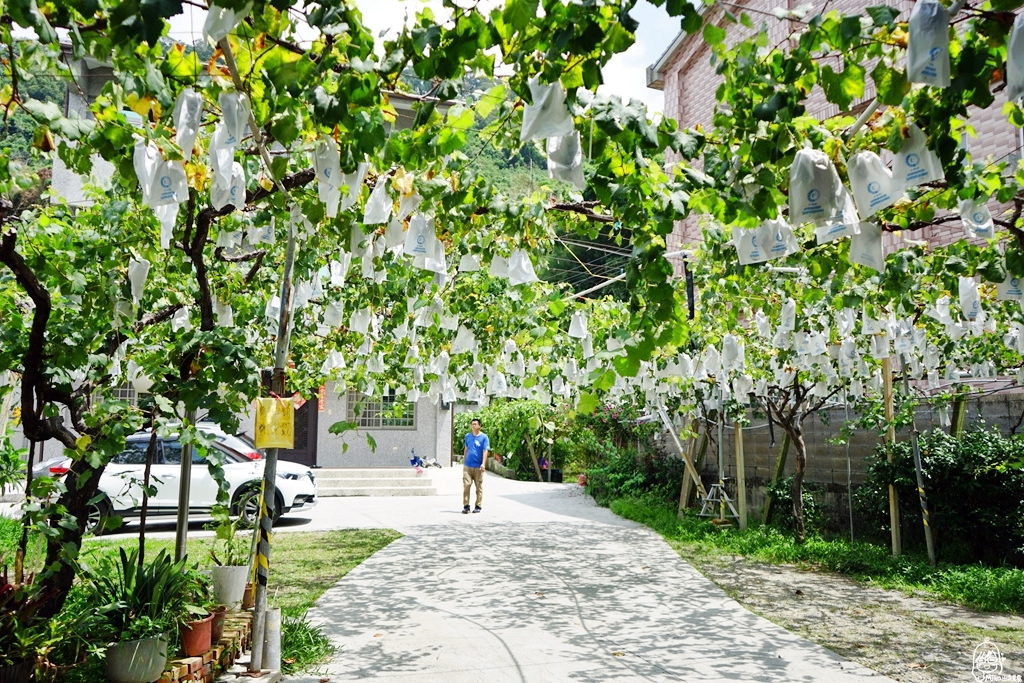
(379, 491)
(371, 483)
(392, 474)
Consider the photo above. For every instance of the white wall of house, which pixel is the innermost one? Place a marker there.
(431, 436)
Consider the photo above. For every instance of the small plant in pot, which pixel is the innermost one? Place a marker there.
(134, 607)
(24, 637)
(231, 561)
(195, 627)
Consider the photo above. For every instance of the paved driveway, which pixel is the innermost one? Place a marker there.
(543, 586)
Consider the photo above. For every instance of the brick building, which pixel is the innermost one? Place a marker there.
(685, 74)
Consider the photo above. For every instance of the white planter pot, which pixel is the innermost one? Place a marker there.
(137, 661)
(229, 586)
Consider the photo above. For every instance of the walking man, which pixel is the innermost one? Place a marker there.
(478, 446)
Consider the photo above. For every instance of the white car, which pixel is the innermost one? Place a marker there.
(121, 483)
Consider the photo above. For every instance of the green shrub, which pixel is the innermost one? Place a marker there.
(625, 472)
(781, 491)
(994, 589)
(976, 501)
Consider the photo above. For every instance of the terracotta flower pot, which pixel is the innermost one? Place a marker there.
(249, 599)
(196, 636)
(217, 625)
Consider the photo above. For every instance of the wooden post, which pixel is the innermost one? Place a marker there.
(698, 462)
(691, 472)
(533, 456)
(780, 467)
(687, 485)
(890, 438)
(741, 474)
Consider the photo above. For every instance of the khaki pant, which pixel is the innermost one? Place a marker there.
(471, 475)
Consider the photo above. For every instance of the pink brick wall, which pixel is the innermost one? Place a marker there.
(690, 82)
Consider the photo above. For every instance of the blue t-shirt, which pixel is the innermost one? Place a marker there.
(475, 447)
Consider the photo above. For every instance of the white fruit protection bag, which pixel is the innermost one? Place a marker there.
(578, 325)
(872, 184)
(814, 188)
(499, 266)
(565, 160)
(866, 247)
(1015, 60)
(970, 299)
(220, 21)
(520, 268)
(328, 174)
(548, 116)
(1011, 289)
(976, 218)
(188, 117)
(147, 161)
(138, 272)
(787, 323)
(379, 205)
(928, 44)
(420, 238)
(915, 164)
(469, 263)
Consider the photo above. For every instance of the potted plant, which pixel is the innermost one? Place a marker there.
(195, 630)
(135, 606)
(24, 638)
(231, 566)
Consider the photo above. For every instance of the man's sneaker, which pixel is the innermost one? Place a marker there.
(476, 509)
(465, 510)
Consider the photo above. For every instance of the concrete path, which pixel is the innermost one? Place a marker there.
(543, 586)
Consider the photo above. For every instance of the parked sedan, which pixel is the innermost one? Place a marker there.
(121, 483)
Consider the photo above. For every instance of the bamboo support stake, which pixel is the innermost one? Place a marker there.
(690, 469)
(890, 438)
(691, 452)
(741, 474)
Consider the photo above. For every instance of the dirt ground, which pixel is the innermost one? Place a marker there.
(915, 639)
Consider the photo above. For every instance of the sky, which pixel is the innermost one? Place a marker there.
(625, 75)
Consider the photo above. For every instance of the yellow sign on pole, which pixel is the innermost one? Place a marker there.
(275, 423)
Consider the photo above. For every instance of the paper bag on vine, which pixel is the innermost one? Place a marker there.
(548, 116)
(928, 44)
(578, 326)
(234, 108)
(420, 237)
(970, 299)
(565, 160)
(328, 174)
(1011, 289)
(275, 423)
(170, 186)
(763, 325)
(188, 117)
(168, 216)
(499, 266)
(233, 194)
(353, 183)
(220, 21)
(465, 340)
(777, 239)
(225, 314)
(520, 268)
(379, 205)
(814, 188)
(138, 272)
(360, 321)
(787, 322)
(334, 314)
(976, 218)
(872, 184)
(866, 247)
(147, 161)
(469, 263)
(844, 224)
(1015, 60)
(915, 164)
(407, 204)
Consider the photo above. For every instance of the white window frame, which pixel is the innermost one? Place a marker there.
(374, 413)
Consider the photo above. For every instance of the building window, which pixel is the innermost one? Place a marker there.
(127, 393)
(375, 413)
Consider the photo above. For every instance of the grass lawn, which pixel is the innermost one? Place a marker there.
(992, 589)
(302, 564)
